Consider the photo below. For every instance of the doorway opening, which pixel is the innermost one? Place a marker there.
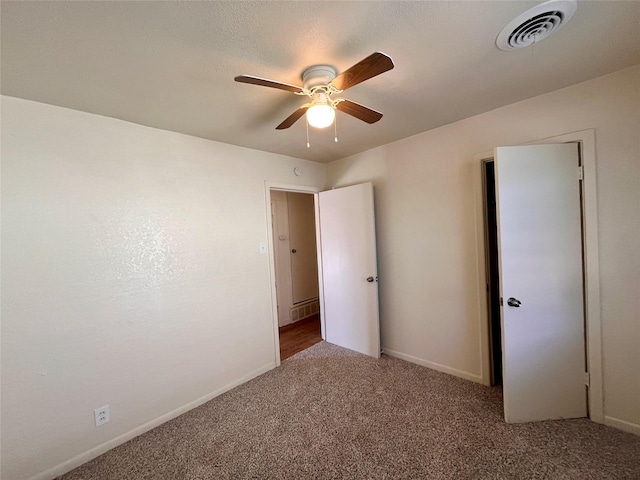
(495, 334)
(493, 276)
(293, 225)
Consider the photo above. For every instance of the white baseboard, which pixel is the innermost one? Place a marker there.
(434, 366)
(622, 425)
(78, 460)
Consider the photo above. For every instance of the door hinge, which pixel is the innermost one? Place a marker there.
(501, 304)
(580, 172)
(587, 379)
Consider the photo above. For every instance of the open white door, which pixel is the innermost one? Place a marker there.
(541, 282)
(349, 268)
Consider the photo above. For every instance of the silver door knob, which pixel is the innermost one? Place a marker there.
(513, 302)
(370, 279)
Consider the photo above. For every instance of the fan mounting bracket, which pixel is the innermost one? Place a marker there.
(317, 75)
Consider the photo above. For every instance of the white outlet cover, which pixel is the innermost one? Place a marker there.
(102, 415)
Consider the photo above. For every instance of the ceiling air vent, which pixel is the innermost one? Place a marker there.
(536, 24)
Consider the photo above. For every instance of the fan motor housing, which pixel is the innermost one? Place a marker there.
(318, 75)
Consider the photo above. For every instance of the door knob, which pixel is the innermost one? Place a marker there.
(370, 279)
(513, 302)
(293, 251)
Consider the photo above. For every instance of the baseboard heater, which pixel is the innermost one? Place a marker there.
(305, 309)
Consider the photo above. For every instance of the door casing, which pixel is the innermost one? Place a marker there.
(269, 186)
(586, 141)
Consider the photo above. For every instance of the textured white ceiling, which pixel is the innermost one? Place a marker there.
(171, 65)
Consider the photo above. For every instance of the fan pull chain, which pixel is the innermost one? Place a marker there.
(308, 144)
(335, 129)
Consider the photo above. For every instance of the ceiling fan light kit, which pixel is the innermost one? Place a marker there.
(321, 112)
(321, 83)
(321, 115)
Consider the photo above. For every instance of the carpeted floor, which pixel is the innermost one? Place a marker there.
(329, 413)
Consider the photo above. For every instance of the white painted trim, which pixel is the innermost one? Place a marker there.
(323, 324)
(268, 186)
(481, 272)
(83, 458)
(285, 187)
(432, 365)
(622, 425)
(586, 139)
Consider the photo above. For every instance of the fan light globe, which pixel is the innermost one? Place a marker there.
(321, 116)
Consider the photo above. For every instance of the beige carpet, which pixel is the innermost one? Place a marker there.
(328, 413)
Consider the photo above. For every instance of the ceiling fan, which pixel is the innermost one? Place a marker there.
(321, 83)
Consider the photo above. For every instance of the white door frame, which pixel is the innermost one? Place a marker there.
(268, 186)
(586, 140)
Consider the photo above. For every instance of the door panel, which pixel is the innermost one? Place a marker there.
(540, 256)
(348, 247)
(280, 228)
(302, 235)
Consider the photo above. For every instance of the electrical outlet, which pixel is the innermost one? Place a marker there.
(102, 415)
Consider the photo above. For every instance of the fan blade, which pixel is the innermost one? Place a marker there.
(267, 83)
(293, 118)
(359, 111)
(373, 65)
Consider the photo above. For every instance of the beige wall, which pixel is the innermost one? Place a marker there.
(426, 189)
(131, 276)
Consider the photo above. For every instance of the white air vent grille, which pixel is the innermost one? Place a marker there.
(304, 310)
(536, 24)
